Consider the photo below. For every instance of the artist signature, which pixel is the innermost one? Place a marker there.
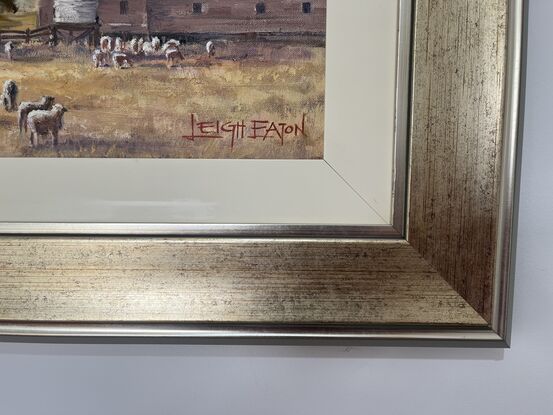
(239, 130)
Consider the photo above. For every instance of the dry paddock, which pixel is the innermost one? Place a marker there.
(145, 111)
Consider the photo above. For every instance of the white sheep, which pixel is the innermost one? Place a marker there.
(136, 46)
(8, 48)
(100, 58)
(172, 43)
(156, 43)
(133, 46)
(151, 48)
(106, 44)
(210, 47)
(148, 49)
(43, 122)
(121, 60)
(119, 45)
(173, 55)
(25, 108)
(9, 95)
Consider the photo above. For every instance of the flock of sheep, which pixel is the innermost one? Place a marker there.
(119, 52)
(44, 117)
(40, 117)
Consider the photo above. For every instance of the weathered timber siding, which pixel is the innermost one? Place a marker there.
(178, 17)
(75, 11)
(239, 16)
(135, 21)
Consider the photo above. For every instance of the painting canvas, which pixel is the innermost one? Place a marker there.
(211, 79)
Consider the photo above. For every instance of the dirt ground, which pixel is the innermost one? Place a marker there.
(145, 111)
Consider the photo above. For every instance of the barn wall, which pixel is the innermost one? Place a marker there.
(75, 11)
(176, 16)
(136, 21)
(45, 12)
(238, 16)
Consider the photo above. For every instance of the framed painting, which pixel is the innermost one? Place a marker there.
(260, 171)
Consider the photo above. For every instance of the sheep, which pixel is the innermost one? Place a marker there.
(100, 58)
(172, 43)
(151, 48)
(121, 60)
(133, 46)
(148, 49)
(8, 48)
(136, 45)
(173, 55)
(45, 103)
(9, 95)
(156, 43)
(106, 44)
(42, 122)
(119, 45)
(210, 47)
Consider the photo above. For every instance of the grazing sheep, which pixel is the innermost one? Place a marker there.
(148, 49)
(210, 47)
(42, 122)
(173, 55)
(136, 46)
(133, 46)
(121, 60)
(156, 43)
(170, 44)
(151, 48)
(9, 96)
(106, 44)
(100, 58)
(119, 45)
(8, 48)
(25, 108)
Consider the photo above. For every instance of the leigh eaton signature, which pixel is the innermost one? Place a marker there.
(238, 130)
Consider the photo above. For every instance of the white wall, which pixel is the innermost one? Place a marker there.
(108, 379)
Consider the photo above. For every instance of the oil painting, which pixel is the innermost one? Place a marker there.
(211, 79)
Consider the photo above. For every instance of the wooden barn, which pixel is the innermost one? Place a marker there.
(183, 17)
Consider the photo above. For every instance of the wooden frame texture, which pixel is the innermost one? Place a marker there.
(449, 280)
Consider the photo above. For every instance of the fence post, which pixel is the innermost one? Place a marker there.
(28, 35)
(96, 33)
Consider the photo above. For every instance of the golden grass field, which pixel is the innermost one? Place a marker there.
(19, 21)
(144, 111)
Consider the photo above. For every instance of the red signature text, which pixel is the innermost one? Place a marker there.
(239, 130)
